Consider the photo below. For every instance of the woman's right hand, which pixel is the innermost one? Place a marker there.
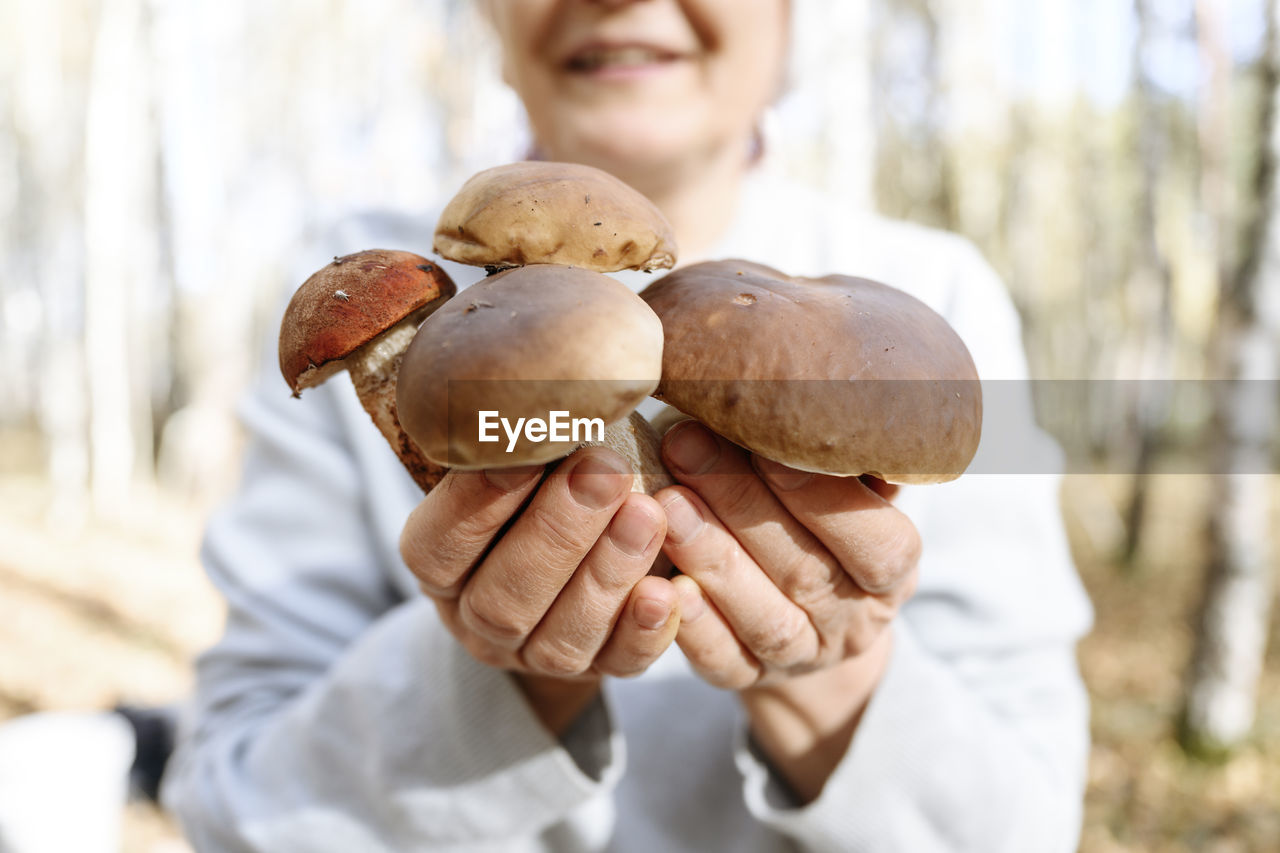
(547, 577)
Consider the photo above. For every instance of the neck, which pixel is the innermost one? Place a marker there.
(700, 204)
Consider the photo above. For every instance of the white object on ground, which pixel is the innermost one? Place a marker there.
(64, 782)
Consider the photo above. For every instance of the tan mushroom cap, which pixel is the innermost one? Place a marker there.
(554, 213)
(525, 343)
(349, 304)
(836, 375)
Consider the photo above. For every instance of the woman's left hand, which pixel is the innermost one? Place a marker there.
(794, 572)
(790, 582)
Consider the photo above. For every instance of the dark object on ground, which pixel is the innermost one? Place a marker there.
(154, 730)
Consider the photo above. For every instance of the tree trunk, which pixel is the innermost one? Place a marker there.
(49, 70)
(121, 252)
(1230, 642)
(1150, 290)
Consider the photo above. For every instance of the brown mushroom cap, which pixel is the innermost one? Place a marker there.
(836, 375)
(524, 343)
(554, 213)
(348, 304)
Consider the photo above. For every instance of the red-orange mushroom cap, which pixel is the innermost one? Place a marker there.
(350, 304)
(358, 314)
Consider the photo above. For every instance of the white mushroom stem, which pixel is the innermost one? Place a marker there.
(639, 443)
(373, 371)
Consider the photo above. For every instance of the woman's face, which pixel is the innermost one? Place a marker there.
(627, 85)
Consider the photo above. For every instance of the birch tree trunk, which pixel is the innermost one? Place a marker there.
(120, 250)
(977, 129)
(1230, 642)
(1149, 291)
(47, 98)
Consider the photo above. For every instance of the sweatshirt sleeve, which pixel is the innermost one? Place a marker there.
(333, 714)
(949, 759)
(977, 737)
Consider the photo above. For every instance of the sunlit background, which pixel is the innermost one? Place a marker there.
(163, 163)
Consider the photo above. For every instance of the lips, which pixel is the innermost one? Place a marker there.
(599, 57)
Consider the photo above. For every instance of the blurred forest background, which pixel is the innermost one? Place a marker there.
(162, 163)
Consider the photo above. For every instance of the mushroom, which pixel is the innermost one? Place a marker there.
(553, 213)
(835, 375)
(513, 350)
(358, 314)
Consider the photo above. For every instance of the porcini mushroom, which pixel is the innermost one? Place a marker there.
(553, 213)
(525, 344)
(358, 314)
(835, 375)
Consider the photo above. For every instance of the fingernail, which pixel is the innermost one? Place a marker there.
(652, 613)
(780, 476)
(597, 481)
(683, 519)
(692, 448)
(632, 529)
(511, 479)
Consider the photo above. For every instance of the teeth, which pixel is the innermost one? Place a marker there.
(623, 56)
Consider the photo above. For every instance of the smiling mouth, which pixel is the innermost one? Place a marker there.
(630, 56)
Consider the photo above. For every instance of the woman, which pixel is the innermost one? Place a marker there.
(444, 684)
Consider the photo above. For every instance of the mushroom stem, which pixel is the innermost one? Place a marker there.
(373, 371)
(639, 443)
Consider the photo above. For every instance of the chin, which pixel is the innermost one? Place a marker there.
(629, 147)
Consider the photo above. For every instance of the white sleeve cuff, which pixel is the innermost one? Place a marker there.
(932, 768)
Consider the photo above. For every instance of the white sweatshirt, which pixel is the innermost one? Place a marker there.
(337, 713)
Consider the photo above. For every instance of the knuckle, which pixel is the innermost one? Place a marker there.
(736, 496)
(553, 658)
(806, 581)
(877, 577)
(726, 666)
(784, 644)
(626, 661)
(861, 636)
(732, 678)
(718, 561)
(906, 588)
(485, 653)
(621, 669)
(439, 593)
(895, 559)
(555, 531)
(491, 619)
(627, 665)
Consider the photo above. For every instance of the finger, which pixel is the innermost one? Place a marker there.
(871, 538)
(577, 625)
(510, 591)
(775, 629)
(709, 643)
(478, 647)
(645, 628)
(722, 475)
(448, 532)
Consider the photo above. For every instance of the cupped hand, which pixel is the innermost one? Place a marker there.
(547, 576)
(784, 572)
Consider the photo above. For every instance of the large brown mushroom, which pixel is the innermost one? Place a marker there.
(553, 213)
(513, 350)
(835, 375)
(358, 314)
